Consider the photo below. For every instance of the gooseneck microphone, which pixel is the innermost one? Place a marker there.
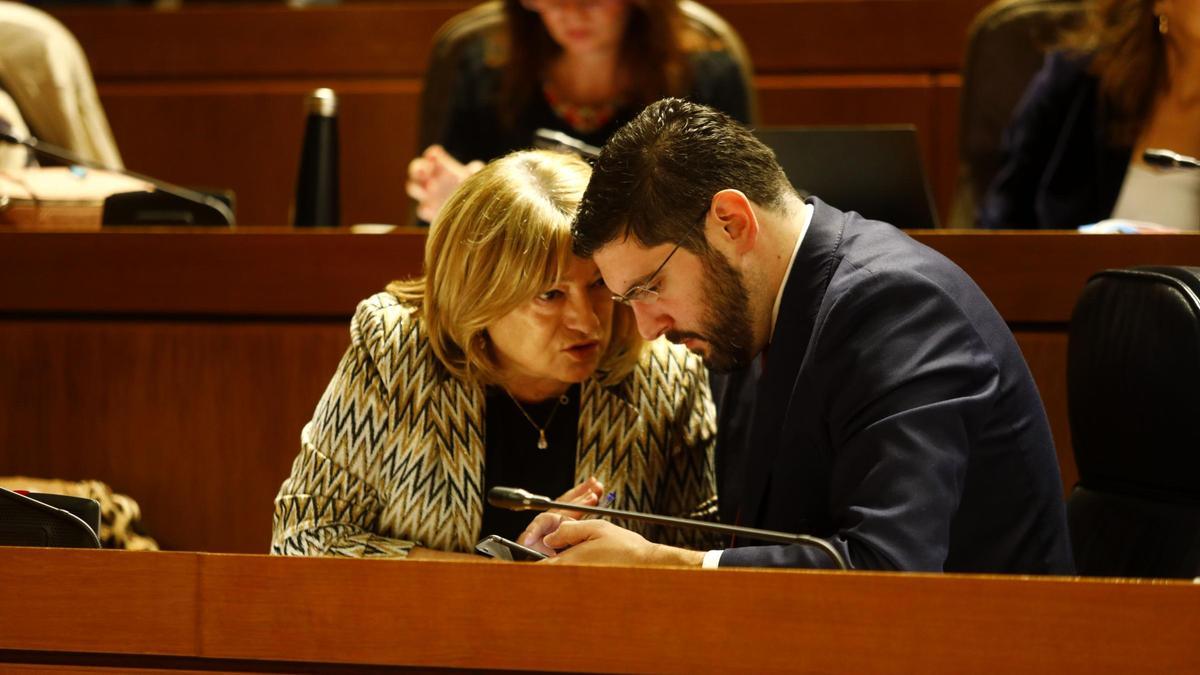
(215, 207)
(1168, 159)
(516, 499)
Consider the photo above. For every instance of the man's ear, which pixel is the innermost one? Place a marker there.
(731, 223)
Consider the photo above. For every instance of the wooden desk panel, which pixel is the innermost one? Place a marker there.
(1035, 277)
(320, 273)
(98, 601)
(270, 613)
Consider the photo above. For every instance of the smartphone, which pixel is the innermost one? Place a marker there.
(495, 546)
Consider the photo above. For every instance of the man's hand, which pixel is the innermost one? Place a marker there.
(599, 542)
(586, 493)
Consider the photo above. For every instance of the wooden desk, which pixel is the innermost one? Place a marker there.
(212, 94)
(133, 611)
(180, 365)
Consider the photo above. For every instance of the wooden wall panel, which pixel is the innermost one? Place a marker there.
(198, 421)
(1046, 354)
(259, 40)
(943, 170)
(247, 136)
(857, 36)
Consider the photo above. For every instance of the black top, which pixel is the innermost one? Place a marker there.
(1060, 168)
(514, 460)
(474, 129)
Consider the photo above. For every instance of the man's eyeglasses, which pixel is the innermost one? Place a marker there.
(644, 292)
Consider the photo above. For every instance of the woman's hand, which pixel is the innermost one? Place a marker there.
(432, 178)
(586, 493)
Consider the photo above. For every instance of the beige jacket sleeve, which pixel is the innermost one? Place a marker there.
(332, 502)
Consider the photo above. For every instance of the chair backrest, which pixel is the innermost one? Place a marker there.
(1006, 44)
(25, 521)
(486, 22)
(1133, 386)
(44, 70)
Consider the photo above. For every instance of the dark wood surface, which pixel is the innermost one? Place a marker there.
(211, 95)
(238, 612)
(179, 365)
(271, 272)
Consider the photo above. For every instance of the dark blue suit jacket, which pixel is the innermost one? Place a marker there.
(896, 418)
(1060, 169)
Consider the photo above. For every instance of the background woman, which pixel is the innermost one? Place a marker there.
(582, 67)
(506, 364)
(1128, 80)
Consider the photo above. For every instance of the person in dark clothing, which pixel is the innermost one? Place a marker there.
(581, 67)
(1124, 82)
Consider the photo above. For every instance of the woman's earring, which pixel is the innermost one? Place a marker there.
(1162, 24)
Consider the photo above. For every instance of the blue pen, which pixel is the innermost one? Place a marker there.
(604, 503)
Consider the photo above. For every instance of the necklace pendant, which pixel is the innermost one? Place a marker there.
(542, 444)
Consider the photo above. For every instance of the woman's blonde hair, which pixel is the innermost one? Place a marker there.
(501, 239)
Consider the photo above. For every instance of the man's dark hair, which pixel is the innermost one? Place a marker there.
(656, 176)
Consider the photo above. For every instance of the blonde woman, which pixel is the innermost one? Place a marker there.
(507, 363)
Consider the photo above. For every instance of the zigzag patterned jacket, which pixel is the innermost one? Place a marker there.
(394, 455)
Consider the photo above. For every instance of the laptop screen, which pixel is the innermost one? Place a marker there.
(874, 170)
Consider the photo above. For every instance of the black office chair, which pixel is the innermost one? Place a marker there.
(1133, 386)
(28, 521)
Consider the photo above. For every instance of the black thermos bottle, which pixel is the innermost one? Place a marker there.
(317, 189)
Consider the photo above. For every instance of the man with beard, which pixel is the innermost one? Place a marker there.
(873, 398)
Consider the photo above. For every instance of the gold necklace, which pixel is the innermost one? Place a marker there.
(541, 444)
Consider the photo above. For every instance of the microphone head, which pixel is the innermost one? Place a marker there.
(6, 133)
(1168, 159)
(516, 499)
